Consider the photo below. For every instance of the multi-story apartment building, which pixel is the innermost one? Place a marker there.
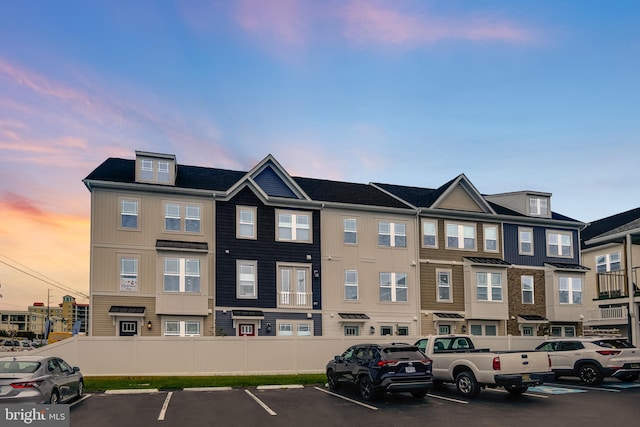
(182, 250)
(611, 248)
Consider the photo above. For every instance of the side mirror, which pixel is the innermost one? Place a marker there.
(338, 359)
(75, 369)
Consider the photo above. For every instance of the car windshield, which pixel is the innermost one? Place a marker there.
(18, 367)
(404, 353)
(614, 343)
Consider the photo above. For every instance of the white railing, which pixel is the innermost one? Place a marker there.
(295, 299)
(609, 313)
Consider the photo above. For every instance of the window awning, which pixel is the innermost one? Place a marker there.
(120, 310)
(353, 317)
(247, 314)
(532, 318)
(566, 266)
(452, 317)
(489, 261)
(175, 245)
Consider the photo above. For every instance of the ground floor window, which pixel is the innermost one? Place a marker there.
(527, 331)
(403, 330)
(563, 331)
(386, 330)
(488, 329)
(444, 329)
(182, 328)
(291, 328)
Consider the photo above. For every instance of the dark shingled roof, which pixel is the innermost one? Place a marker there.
(247, 313)
(126, 310)
(566, 266)
(354, 316)
(481, 260)
(533, 317)
(347, 192)
(610, 223)
(417, 196)
(449, 315)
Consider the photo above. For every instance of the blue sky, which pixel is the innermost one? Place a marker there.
(517, 95)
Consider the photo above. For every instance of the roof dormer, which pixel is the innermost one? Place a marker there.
(529, 203)
(155, 168)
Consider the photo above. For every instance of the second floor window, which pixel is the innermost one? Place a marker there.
(429, 236)
(489, 286)
(295, 227)
(559, 244)
(525, 241)
(129, 214)
(461, 236)
(608, 262)
(351, 230)
(173, 217)
(490, 238)
(527, 289)
(247, 279)
(128, 274)
(392, 234)
(393, 287)
(570, 290)
(181, 275)
(351, 285)
(295, 289)
(444, 286)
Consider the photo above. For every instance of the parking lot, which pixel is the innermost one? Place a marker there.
(564, 403)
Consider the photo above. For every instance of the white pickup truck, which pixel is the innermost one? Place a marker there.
(456, 360)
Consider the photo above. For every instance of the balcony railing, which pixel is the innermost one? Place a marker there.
(613, 284)
(296, 299)
(606, 314)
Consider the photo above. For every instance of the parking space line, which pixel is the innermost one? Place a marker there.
(577, 387)
(165, 405)
(373, 408)
(83, 398)
(499, 390)
(450, 399)
(261, 403)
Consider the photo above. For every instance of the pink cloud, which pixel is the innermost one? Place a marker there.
(24, 206)
(285, 21)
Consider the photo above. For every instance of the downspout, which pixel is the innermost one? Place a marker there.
(633, 316)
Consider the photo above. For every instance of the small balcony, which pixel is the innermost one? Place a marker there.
(607, 316)
(613, 284)
(295, 299)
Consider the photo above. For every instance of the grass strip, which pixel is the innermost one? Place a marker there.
(99, 384)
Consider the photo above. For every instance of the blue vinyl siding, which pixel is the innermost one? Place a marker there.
(272, 184)
(511, 246)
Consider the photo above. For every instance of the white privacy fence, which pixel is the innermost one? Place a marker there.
(139, 356)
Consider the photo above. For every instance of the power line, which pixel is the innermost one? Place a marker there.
(50, 281)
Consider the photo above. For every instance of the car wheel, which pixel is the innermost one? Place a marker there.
(419, 394)
(467, 385)
(332, 380)
(628, 378)
(55, 397)
(516, 390)
(590, 374)
(80, 389)
(366, 389)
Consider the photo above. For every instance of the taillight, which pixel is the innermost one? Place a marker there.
(496, 363)
(27, 384)
(608, 352)
(387, 363)
(426, 362)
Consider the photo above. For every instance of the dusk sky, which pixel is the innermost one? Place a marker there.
(517, 95)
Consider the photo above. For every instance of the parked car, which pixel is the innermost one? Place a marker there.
(10, 345)
(456, 360)
(38, 380)
(593, 358)
(380, 368)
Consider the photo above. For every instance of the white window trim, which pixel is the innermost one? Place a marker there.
(484, 236)
(483, 326)
(490, 287)
(294, 296)
(607, 262)
(520, 241)
(182, 216)
(559, 233)
(393, 234)
(131, 282)
(461, 226)
(182, 327)
(182, 274)
(295, 327)
(522, 290)
(294, 226)
(254, 228)
(435, 226)
(254, 264)
(354, 285)
(349, 230)
(450, 274)
(394, 286)
(355, 328)
(570, 290)
(121, 201)
(536, 205)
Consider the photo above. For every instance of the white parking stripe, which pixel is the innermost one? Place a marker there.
(435, 396)
(578, 387)
(373, 408)
(165, 406)
(261, 403)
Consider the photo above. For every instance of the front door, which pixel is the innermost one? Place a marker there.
(128, 328)
(247, 330)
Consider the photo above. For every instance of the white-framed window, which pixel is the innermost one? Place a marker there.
(570, 290)
(461, 236)
(129, 214)
(560, 244)
(182, 328)
(527, 289)
(608, 262)
(525, 241)
(128, 274)
(392, 234)
(351, 285)
(429, 234)
(294, 226)
(181, 275)
(402, 330)
(351, 330)
(527, 331)
(247, 272)
(246, 222)
(444, 329)
(293, 285)
(393, 287)
(350, 227)
(443, 277)
(488, 286)
(163, 171)
(297, 328)
(173, 217)
(490, 238)
(538, 206)
(146, 170)
(563, 331)
(488, 329)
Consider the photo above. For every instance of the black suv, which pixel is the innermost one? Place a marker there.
(378, 368)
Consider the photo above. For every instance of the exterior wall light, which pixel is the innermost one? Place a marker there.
(149, 325)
